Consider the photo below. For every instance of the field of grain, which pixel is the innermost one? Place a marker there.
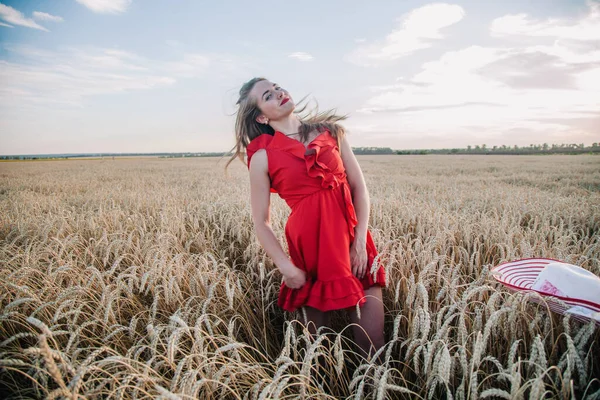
(142, 278)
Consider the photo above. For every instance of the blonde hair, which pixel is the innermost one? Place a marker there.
(247, 129)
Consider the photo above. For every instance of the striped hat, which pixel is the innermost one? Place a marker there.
(567, 288)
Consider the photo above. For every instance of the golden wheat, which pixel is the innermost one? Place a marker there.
(143, 278)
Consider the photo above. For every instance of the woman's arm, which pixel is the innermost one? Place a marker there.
(360, 199)
(260, 201)
(360, 194)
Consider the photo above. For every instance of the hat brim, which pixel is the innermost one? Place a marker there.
(520, 275)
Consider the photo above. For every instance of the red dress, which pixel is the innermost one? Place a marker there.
(320, 227)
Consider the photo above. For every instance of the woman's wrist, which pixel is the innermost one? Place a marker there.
(360, 236)
(286, 267)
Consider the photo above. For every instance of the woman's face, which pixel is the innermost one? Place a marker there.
(269, 97)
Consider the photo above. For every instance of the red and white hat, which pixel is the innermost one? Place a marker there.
(567, 288)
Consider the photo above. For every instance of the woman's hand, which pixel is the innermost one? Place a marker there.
(294, 278)
(358, 257)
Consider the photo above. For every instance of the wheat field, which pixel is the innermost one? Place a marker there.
(143, 278)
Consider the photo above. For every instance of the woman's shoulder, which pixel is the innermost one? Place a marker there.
(254, 147)
(259, 142)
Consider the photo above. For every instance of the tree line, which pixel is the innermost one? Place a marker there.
(545, 148)
(570, 148)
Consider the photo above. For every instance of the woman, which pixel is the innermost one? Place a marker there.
(310, 164)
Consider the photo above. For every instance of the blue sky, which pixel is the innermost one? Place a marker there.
(150, 76)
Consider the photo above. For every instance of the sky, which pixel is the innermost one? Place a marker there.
(87, 76)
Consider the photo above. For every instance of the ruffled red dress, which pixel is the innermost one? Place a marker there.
(320, 227)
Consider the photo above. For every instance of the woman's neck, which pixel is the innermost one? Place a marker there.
(288, 126)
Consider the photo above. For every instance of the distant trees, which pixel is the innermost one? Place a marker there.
(372, 150)
(545, 148)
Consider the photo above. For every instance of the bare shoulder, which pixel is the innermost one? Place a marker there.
(353, 171)
(259, 163)
(348, 156)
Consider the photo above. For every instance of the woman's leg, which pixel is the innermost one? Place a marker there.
(369, 332)
(313, 319)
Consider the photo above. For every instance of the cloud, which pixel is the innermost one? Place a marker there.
(535, 69)
(42, 16)
(189, 66)
(472, 78)
(587, 28)
(6, 25)
(110, 59)
(15, 17)
(449, 81)
(589, 123)
(69, 76)
(69, 86)
(424, 108)
(542, 92)
(301, 56)
(106, 6)
(417, 30)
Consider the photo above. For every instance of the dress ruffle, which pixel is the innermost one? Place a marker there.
(330, 179)
(339, 293)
